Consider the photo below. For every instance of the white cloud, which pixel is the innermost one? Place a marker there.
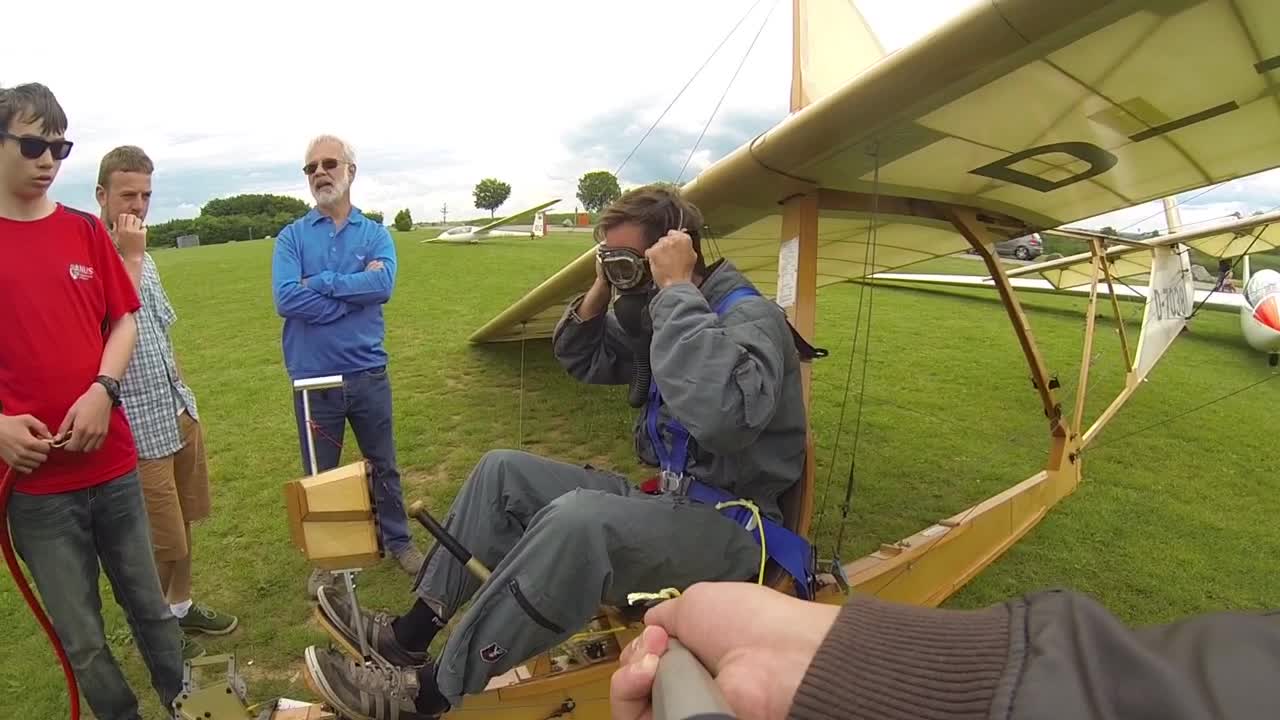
(434, 96)
(444, 93)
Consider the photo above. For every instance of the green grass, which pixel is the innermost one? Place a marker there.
(1175, 520)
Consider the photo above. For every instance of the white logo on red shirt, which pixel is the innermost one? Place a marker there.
(80, 272)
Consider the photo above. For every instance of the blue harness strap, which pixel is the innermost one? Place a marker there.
(790, 551)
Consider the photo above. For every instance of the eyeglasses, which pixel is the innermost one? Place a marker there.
(32, 148)
(327, 164)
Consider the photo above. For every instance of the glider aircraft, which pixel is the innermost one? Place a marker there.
(474, 234)
(1258, 305)
(1013, 117)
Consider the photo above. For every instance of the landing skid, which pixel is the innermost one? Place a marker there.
(1274, 360)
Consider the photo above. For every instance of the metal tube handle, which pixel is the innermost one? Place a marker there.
(419, 512)
(684, 690)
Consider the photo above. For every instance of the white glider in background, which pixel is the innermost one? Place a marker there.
(474, 234)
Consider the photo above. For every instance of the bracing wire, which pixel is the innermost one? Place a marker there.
(520, 412)
(686, 86)
(1223, 276)
(1185, 413)
(742, 62)
(844, 402)
(1175, 204)
(873, 234)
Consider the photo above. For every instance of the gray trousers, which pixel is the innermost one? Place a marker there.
(560, 541)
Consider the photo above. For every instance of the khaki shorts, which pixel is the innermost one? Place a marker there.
(176, 489)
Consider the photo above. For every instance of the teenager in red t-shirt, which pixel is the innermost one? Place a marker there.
(68, 331)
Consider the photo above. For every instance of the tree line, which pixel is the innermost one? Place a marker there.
(259, 215)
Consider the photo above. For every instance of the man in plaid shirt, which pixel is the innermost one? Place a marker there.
(161, 410)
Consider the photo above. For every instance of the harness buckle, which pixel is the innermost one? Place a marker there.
(673, 483)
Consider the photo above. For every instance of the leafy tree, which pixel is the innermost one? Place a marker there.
(597, 189)
(251, 204)
(490, 193)
(404, 220)
(375, 216)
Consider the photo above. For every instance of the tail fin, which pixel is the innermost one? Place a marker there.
(540, 224)
(1169, 305)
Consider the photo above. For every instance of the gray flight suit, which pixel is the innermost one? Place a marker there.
(562, 539)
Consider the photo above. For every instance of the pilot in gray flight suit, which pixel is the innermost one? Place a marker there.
(562, 539)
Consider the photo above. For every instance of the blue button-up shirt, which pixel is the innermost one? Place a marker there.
(333, 323)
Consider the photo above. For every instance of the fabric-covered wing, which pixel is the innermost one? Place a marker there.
(1254, 234)
(1044, 112)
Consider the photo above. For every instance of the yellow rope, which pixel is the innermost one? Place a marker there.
(670, 593)
(755, 513)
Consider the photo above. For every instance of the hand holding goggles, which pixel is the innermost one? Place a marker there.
(624, 268)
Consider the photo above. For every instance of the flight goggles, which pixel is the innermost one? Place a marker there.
(624, 268)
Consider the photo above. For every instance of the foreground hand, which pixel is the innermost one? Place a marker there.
(671, 259)
(24, 442)
(88, 418)
(756, 642)
(375, 265)
(131, 236)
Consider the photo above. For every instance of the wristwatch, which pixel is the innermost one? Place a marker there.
(113, 388)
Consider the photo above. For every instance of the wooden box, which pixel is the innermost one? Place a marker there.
(331, 518)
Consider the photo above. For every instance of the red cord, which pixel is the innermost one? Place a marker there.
(6, 543)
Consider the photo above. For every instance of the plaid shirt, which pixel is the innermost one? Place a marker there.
(152, 393)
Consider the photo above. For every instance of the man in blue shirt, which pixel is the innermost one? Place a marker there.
(332, 271)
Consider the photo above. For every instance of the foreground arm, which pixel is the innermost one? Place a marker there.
(1052, 655)
(371, 286)
(589, 342)
(293, 299)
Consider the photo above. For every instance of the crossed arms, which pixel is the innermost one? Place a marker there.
(328, 296)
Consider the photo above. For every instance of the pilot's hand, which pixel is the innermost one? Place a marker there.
(671, 259)
(755, 641)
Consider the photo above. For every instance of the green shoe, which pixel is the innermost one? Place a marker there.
(204, 619)
(191, 649)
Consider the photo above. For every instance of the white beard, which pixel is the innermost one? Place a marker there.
(329, 196)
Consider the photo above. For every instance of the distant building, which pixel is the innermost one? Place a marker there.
(186, 241)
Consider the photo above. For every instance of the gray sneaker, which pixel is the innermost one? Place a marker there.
(411, 559)
(335, 606)
(373, 692)
(321, 578)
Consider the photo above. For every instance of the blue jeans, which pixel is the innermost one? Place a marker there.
(365, 400)
(62, 538)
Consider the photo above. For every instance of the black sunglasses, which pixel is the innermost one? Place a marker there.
(33, 147)
(327, 164)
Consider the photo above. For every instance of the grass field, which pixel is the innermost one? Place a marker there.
(1174, 520)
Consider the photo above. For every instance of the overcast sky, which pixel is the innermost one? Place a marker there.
(434, 95)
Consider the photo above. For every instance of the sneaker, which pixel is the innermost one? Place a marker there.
(321, 578)
(410, 560)
(191, 649)
(204, 619)
(372, 692)
(335, 605)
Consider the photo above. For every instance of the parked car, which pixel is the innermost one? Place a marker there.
(1027, 247)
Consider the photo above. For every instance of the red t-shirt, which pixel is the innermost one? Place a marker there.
(61, 284)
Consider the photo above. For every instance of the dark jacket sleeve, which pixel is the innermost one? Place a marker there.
(594, 351)
(1054, 655)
